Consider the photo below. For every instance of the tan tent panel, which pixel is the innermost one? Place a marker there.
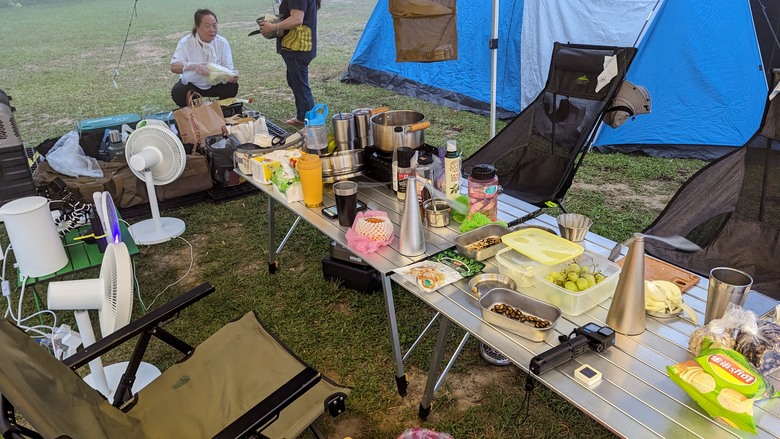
(425, 30)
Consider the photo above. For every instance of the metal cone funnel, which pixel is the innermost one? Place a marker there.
(411, 240)
(627, 312)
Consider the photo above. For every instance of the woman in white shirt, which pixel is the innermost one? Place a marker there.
(191, 58)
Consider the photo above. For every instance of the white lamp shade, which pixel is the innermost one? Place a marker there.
(37, 247)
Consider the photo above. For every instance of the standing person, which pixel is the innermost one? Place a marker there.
(191, 58)
(298, 47)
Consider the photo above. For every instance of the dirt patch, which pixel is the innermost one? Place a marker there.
(617, 194)
(345, 426)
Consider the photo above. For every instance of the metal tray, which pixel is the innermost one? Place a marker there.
(481, 284)
(527, 305)
(486, 231)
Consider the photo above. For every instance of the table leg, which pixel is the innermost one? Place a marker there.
(433, 372)
(272, 263)
(401, 380)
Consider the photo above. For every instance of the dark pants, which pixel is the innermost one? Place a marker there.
(221, 91)
(298, 79)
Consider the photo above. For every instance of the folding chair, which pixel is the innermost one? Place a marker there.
(537, 153)
(240, 382)
(731, 208)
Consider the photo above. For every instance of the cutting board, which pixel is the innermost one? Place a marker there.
(656, 269)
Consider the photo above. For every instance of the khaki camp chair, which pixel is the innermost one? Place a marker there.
(240, 382)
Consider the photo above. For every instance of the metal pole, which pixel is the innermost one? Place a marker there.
(493, 68)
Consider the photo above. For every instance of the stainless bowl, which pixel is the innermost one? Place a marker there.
(440, 216)
(482, 283)
(342, 162)
(574, 226)
(478, 234)
(527, 305)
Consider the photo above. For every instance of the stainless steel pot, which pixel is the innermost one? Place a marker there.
(341, 163)
(397, 128)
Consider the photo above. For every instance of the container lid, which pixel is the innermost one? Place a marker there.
(317, 115)
(452, 146)
(517, 261)
(404, 155)
(424, 158)
(483, 172)
(541, 246)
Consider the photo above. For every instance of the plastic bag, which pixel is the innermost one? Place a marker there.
(67, 157)
(719, 332)
(759, 342)
(219, 74)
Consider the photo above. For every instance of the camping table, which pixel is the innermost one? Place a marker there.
(378, 197)
(635, 398)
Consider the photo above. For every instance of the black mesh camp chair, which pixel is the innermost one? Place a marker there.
(240, 382)
(731, 208)
(537, 153)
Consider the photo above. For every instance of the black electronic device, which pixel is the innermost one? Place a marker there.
(331, 212)
(589, 337)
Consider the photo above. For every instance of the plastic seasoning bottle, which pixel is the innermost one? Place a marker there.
(452, 170)
(483, 191)
(424, 173)
(404, 169)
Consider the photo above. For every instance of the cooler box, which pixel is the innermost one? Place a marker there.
(108, 123)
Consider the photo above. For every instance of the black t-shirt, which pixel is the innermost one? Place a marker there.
(309, 8)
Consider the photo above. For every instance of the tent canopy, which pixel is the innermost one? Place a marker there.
(700, 60)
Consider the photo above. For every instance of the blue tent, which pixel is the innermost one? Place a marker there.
(704, 62)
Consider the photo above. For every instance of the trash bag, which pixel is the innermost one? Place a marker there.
(67, 157)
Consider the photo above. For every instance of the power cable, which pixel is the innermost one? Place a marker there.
(116, 70)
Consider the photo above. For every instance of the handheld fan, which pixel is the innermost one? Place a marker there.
(157, 157)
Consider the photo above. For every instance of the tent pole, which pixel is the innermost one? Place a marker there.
(493, 68)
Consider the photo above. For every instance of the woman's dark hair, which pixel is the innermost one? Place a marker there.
(199, 14)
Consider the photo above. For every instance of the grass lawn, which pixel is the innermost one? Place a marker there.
(58, 60)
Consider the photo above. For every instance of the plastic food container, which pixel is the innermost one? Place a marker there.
(478, 234)
(575, 303)
(541, 246)
(518, 267)
(527, 305)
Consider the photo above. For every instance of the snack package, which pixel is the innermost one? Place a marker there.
(720, 332)
(759, 342)
(441, 269)
(724, 384)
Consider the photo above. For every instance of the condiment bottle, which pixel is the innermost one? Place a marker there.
(483, 191)
(424, 173)
(404, 169)
(452, 170)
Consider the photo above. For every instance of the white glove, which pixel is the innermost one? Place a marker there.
(198, 67)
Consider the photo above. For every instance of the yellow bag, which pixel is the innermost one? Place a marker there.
(298, 39)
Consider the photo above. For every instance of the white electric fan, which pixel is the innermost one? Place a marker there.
(157, 157)
(112, 295)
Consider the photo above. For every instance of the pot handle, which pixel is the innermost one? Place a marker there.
(419, 126)
(378, 110)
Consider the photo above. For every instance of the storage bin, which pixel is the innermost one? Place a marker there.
(517, 266)
(575, 303)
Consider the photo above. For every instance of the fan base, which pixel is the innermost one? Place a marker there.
(145, 375)
(146, 232)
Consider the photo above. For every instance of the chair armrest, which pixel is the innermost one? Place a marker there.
(145, 323)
